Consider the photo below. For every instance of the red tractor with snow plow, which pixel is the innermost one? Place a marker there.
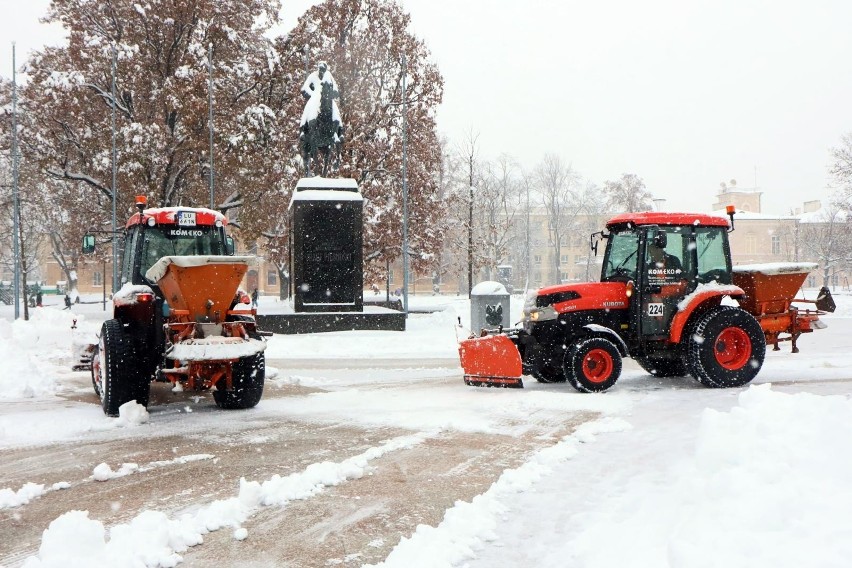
(179, 315)
(663, 299)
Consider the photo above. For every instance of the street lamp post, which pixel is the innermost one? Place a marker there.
(404, 195)
(114, 189)
(16, 215)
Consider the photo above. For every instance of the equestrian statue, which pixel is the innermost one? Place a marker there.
(321, 128)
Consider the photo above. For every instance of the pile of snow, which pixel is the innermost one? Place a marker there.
(131, 414)
(28, 350)
(29, 491)
(767, 485)
(103, 472)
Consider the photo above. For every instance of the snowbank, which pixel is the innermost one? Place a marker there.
(767, 485)
(28, 350)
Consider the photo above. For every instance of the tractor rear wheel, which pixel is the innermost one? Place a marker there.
(725, 348)
(115, 369)
(592, 364)
(663, 367)
(247, 378)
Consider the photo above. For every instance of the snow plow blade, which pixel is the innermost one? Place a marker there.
(492, 361)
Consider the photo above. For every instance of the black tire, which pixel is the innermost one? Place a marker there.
(592, 364)
(247, 378)
(663, 367)
(725, 348)
(547, 371)
(544, 367)
(117, 370)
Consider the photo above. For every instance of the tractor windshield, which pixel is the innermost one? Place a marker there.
(161, 241)
(621, 259)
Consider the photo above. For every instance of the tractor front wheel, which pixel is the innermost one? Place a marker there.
(247, 378)
(725, 348)
(592, 364)
(544, 367)
(115, 373)
(663, 367)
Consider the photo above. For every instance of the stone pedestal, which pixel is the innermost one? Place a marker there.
(326, 236)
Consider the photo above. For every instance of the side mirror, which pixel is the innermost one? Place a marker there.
(595, 239)
(229, 246)
(88, 244)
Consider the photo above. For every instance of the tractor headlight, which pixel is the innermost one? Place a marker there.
(541, 314)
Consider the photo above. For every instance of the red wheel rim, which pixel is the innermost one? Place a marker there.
(732, 348)
(597, 365)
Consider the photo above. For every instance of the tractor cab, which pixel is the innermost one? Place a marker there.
(662, 258)
(170, 232)
(151, 234)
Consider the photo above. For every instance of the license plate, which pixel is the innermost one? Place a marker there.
(186, 218)
(655, 310)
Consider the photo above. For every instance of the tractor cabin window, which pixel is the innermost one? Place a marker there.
(710, 243)
(621, 258)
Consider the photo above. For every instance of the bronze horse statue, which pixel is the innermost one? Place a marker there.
(321, 134)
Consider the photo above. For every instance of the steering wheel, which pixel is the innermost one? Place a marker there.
(712, 275)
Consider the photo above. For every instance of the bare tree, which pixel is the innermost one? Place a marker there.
(557, 188)
(841, 170)
(498, 205)
(468, 152)
(595, 212)
(826, 237)
(628, 194)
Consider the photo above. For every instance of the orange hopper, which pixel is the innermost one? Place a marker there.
(199, 287)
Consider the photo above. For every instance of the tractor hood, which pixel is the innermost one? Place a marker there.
(550, 301)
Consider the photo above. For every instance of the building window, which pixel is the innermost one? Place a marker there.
(751, 243)
(97, 278)
(563, 276)
(537, 259)
(564, 259)
(272, 278)
(776, 244)
(578, 258)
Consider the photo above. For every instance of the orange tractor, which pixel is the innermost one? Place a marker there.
(664, 300)
(179, 316)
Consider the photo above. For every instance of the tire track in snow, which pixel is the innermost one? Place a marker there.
(154, 538)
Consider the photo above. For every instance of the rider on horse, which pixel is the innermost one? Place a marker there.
(321, 124)
(313, 86)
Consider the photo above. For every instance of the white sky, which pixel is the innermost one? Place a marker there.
(684, 94)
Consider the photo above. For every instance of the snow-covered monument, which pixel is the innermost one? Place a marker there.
(326, 229)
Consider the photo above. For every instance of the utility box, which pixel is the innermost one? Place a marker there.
(326, 246)
(489, 306)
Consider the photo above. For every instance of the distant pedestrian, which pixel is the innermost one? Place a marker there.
(38, 298)
(254, 295)
(67, 302)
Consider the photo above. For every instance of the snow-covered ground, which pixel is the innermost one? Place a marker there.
(655, 472)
